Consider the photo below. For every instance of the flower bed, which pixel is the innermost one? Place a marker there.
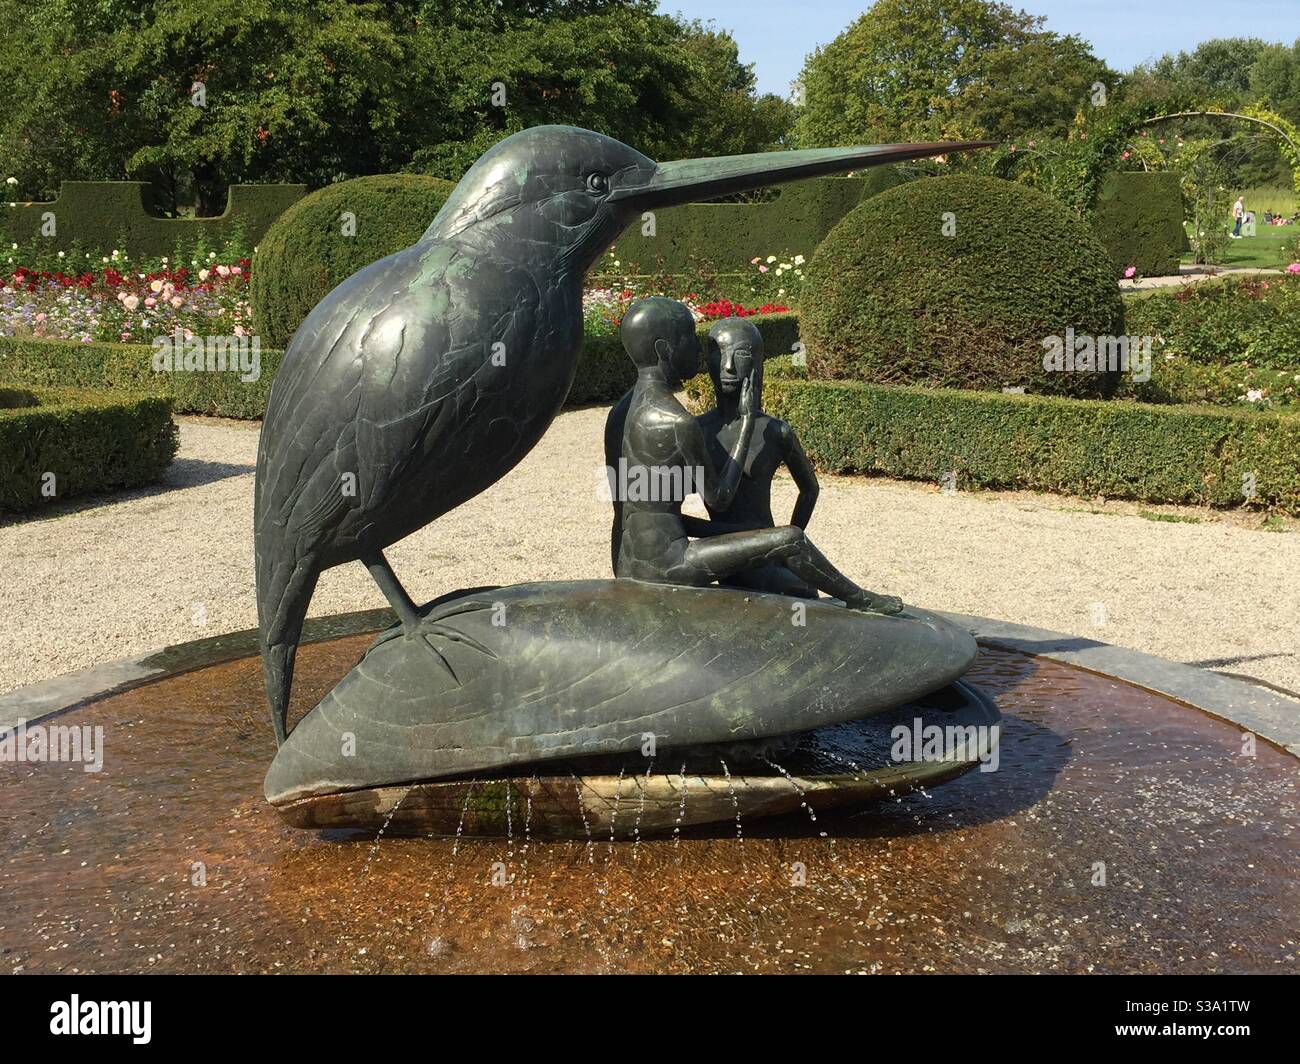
(114, 301)
(1236, 341)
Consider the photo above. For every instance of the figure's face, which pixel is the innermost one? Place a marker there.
(730, 364)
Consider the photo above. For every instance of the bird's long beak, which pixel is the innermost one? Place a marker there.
(692, 180)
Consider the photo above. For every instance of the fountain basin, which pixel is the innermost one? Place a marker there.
(170, 860)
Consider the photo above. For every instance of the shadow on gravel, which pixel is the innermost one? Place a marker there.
(182, 473)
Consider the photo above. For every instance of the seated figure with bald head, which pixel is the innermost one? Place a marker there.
(658, 454)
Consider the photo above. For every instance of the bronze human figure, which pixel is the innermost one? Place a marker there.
(734, 354)
(660, 435)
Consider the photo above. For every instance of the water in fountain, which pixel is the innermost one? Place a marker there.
(96, 867)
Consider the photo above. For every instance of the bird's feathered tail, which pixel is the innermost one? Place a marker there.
(284, 590)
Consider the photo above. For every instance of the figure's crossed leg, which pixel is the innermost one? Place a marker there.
(719, 557)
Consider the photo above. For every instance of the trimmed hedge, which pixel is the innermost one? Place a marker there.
(306, 253)
(129, 368)
(891, 298)
(1124, 450)
(730, 234)
(100, 214)
(1139, 218)
(604, 371)
(89, 441)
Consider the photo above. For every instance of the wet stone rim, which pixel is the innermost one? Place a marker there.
(1257, 708)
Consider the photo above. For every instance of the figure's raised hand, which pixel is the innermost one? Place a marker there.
(746, 407)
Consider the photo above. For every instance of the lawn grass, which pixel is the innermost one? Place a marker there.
(1266, 250)
(1280, 199)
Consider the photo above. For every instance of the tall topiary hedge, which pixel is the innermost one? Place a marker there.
(958, 282)
(103, 215)
(326, 237)
(1139, 217)
(727, 235)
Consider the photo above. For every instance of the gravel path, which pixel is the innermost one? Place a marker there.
(1192, 274)
(96, 582)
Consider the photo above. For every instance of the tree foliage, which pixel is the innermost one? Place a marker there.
(196, 96)
(921, 69)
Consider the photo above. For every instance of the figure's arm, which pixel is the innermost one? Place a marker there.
(805, 479)
(699, 528)
(720, 485)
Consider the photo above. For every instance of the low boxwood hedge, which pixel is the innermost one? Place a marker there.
(604, 371)
(1125, 450)
(56, 444)
(129, 368)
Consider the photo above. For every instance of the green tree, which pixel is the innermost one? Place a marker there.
(1275, 79)
(196, 95)
(917, 69)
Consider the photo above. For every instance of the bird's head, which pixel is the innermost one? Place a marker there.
(563, 193)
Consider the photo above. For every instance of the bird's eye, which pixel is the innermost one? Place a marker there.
(598, 184)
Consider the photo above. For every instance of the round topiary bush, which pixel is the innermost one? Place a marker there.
(958, 282)
(315, 245)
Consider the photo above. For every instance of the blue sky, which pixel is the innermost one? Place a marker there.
(775, 35)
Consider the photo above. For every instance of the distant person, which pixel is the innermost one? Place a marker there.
(1239, 215)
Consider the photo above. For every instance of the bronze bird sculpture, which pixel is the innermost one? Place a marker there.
(425, 377)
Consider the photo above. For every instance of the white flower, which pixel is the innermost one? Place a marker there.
(798, 260)
(1254, 395)
(771, 259)
(60, 254)
(11, 180)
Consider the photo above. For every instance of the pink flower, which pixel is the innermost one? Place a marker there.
(131, 302)
(155, 286)
(224, 271)
(1131, 271)
(150, 302)
(177, 301)
(236, 270)
(762, 269)
(754, 261)
(1293, 268)
(1124, 156)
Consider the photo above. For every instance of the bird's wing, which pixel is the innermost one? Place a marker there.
(376, 377)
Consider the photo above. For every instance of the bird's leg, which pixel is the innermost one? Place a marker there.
(402, 603)
(409, 614)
